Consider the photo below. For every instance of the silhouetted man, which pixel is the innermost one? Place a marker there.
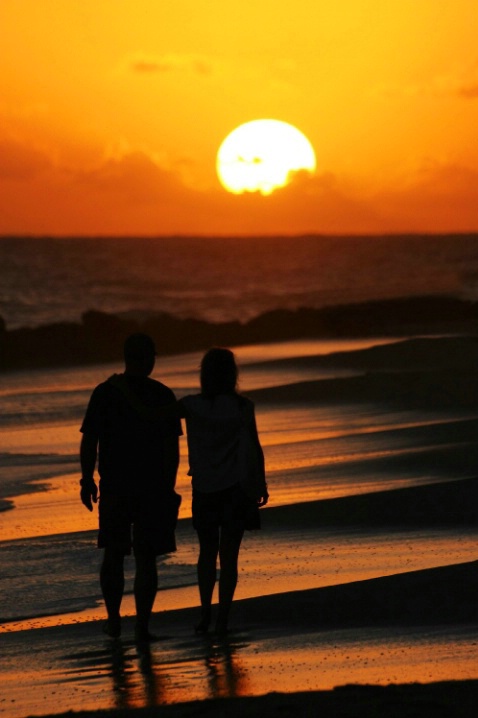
(138, 456)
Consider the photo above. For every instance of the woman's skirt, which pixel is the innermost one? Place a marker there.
(230, 507)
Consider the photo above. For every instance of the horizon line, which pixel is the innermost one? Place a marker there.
(298, 235)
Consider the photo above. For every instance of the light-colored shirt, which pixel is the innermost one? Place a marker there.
(213, 427)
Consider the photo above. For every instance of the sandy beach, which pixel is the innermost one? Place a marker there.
(296, 182)
(358, 597)
(407, 641)
(295, 654)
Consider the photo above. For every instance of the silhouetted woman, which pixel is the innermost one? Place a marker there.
(221, 509)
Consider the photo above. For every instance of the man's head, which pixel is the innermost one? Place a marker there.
(139, 354)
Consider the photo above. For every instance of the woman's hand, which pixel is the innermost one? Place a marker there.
(263, 500)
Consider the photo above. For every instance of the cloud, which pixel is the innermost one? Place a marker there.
(20, 162)
(439, 197)
(309, 204)
(436, 198)
(23, 111)
(461, 82)
(469, 92)
(131, 193)
(466, 86)
(149, 65)
(134, 176)
(448, 178)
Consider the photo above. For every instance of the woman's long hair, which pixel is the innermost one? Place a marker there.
(219, 373)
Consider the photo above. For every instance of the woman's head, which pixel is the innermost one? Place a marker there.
(219, 372)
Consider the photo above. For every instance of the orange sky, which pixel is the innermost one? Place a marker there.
(112, 111)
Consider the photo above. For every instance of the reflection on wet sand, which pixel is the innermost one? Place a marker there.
(148, 675)
(225, 677)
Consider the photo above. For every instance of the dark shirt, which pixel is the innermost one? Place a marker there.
(131, 455)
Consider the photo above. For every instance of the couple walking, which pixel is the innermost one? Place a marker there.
(132, 427)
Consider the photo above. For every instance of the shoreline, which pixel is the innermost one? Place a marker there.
(385, 581)
(98, 337)
(348, 527)
(364, 646)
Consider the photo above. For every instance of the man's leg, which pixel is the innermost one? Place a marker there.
(229, 546)
(206, 570)
(112, 587)
(145, 589)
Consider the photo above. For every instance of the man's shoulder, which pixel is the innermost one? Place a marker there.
(160, 390)
(101, 389)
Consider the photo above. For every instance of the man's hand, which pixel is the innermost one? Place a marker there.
(88, 493)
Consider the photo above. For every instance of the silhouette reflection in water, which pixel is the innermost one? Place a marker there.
(225, 677)
(148, 675)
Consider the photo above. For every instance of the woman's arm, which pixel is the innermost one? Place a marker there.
(252, 425)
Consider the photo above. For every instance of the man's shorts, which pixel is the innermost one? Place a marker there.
(145, 523)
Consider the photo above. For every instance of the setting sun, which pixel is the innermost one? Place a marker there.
(262, 155)
(112, 113)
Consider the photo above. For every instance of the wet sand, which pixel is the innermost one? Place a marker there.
(295, 653)
(408, 641)
(398, 701)
(378, 589)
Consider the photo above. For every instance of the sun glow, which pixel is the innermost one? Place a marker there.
(262, 155)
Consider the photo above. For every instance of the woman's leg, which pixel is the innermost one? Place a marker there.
(206, 570)
(229, 546)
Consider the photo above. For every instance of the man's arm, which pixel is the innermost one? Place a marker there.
(88, 454)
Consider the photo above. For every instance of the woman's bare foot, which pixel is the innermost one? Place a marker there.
(112, 627)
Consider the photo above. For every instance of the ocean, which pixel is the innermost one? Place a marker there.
(45, 280)
(322, 438)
